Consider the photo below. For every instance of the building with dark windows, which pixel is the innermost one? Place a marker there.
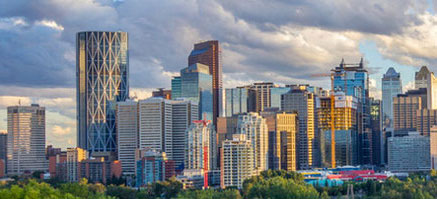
(376, 120)
(209, 53)
(102, 72)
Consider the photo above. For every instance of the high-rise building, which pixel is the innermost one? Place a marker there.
(201, 148)
(226, 127)
(195, 84)
(376, 121)
(433, 147)
(391, 87)
(237, 161)
(353, 80)
(239, 100)
(209, 53)
(55, 160)
(345, 129)
(74, 157)
(102, 71)
(275, 96)
(409, 153)
(162, 126)
(426, 119)
(421, 78)
(26, 140)
(3, 146)
(127, 135)
(166, 94)
(255, 128)
(405, 109)
(176, 88)
(302, 101)
(262, 95)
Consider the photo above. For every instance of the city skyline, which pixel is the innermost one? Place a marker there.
(281, 49)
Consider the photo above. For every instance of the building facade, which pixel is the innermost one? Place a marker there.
(127, 135)
(26, 140)
(262, 95)
(74, 157)
(150, 168)
(102, 73)
(391, 87)
(303, 102)
(3, 147)
(255, 128)
(275, 96)
(405, 109)
(237, 161)
(239, 100)
(409, 153)
(209, 53)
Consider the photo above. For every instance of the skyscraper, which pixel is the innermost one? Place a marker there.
(196, 86)
(26, 143)
(353, 80)
(3, 146)
(421, 78)
(377, 130)
(163, 124)
(255, 128)
(391, 87)
(405, 109)
(74, 157)
(426, 119)
(209, 53)
(236, 161)
(302, 101)
(102, 71)
(410, 153)
(127, 135)
(262, 95)
(239, 100)
(275, 96)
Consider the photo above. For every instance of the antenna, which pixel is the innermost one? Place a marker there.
(19, 102)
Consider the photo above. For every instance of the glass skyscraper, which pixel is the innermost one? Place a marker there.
(102, 71)
(275, 96)
(391, 87)
(196, 86)
(239, 100)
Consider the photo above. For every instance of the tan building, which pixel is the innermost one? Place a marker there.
(425, 120)
(433, 146)
(405, 112)
(74, 157)
(302, 101)
(262, 95)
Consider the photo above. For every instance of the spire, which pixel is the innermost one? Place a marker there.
(342, 63)
(361, 63)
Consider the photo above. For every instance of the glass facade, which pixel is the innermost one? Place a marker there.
(196, 85)
(102, 65)
(391, 87)
(237, 100)
(275, 96)
(176, 87)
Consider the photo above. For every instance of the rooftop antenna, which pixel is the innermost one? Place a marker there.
(342, 63)
(361, 63)
(19, 102)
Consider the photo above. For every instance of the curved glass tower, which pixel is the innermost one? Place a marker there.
(102, 71)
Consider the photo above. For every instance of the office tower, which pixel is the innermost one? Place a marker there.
(345, 129)
(353, 80)
(391, 87)
(166, 94)
(2, 168)
(127, 134)
(421, 78)
(431, 91)
(255, 128)
(239, 100)
(176, 88)
(3, 146)
(74, 157)
(195, 84)
(209, 53)
(99, 170)
(237, 161)
(26, 140)
(201, 148)
(150, 168)
(302, 101)
(405, 112)
(376, 121)
(433, 147)
(226, 127)
(262, 95)
(282, 132)
(162, 126)
(102, 72)
(275, 96)
(55, 160)
(409, 153)
(425, 120)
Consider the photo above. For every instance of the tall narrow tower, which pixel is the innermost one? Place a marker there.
(208, 53)
(102, 71)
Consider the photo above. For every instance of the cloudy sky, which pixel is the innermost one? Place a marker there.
(284, 41)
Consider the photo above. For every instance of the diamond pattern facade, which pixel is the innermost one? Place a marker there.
(102, 81)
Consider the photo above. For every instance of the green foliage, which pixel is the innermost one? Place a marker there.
(121, 192)
(210, 194)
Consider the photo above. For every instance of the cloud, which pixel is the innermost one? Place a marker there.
(60, 131)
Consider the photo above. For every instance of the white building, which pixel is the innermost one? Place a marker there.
(74, 156)
(162, 125)
(255, 128)
(236, 161)
(26, 140)
(127, 135)
(201, 146)
(409, 153)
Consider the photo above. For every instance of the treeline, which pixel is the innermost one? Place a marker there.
(270, 184)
